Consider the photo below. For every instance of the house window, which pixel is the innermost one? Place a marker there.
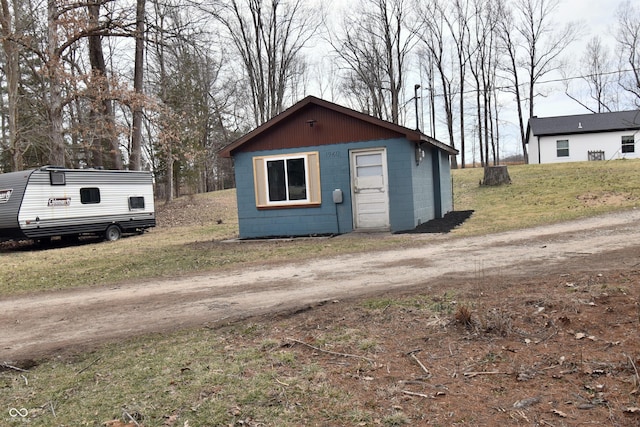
(288, 180)
(89, 195)
(628, 144)
(136, 203)
(562, 148)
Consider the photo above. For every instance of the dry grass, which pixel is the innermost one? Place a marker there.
(191, 229)
(251, 374)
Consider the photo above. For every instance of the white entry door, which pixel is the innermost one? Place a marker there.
(370, 190)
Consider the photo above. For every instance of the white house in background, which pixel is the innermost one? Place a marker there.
(601, 136)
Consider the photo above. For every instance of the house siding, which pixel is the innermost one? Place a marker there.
(411, 198)
(446, 183)
(542, 149)
(314, 126)
(423, 194)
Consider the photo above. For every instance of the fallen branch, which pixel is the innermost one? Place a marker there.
(280, 382)
(127, 415)
(88, 366)
(334, 353)
(411, 393)
(413, 356)
(15, 368)
(474, 374)
(634, 368)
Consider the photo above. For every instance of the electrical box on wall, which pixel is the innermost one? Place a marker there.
(337, 196)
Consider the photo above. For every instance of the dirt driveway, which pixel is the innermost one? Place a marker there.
(54, 323)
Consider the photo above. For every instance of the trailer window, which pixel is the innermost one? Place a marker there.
(57, 178)
(136, 203)
(89, 195)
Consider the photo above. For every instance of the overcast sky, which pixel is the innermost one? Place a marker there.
(596, 17)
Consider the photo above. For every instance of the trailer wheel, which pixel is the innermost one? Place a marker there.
(113, 233)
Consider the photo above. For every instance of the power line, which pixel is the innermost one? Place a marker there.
(557, 80)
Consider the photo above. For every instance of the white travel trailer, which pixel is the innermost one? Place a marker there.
(52, 201)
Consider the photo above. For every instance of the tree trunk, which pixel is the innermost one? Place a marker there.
(12, 71)
(102, 113)
(496, 175)
(54, 109)
(135, 161)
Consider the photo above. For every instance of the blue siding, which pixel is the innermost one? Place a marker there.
(446, 183)
(401, 167)
(328, 218)
(410, 191)
(423, 194)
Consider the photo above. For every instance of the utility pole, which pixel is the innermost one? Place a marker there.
(415, 89)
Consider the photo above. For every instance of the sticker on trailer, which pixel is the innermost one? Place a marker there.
(59, 201)
(5, 195)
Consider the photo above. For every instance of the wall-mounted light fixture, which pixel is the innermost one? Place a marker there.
(311, 122)
(420, 154)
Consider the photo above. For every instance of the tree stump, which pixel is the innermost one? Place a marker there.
(496, 175)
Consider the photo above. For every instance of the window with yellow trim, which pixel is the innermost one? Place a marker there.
(287, 180)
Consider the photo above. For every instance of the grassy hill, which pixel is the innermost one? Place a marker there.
(542, 194)
(190, 233)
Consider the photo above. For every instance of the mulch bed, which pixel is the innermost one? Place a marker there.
(441, 225)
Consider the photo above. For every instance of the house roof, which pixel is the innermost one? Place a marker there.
(584, 123)
(413, 135)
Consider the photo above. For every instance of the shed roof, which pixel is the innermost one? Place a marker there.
(585, 123)
(315, 108)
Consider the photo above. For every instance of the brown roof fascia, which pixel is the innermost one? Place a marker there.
(412, 135)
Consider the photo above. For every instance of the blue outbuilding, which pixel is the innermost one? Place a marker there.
(319, 168)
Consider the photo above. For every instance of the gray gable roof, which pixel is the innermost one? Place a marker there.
(585, 123)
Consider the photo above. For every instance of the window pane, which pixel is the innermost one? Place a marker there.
(562, 148)
(89, 195)
(369, 159)
(297, 180)
(136, 203)
(369, 171)
(276, 181)
(628, 144)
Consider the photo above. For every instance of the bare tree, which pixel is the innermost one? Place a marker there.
(269, 37)
(375, 42)
(628, 38)
(435, 38)
(189, 79)
(67, 25)
(596, 72)
(509, 42)
(135, 156)
(536, 52)
(457, 17)
(483, 52)
(102, 111)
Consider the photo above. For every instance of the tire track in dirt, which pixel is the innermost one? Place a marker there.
(51, 323)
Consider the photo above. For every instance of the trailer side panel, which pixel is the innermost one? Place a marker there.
(12, 189)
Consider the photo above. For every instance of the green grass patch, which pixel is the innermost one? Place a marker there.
(544, 194)
(194, 377)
